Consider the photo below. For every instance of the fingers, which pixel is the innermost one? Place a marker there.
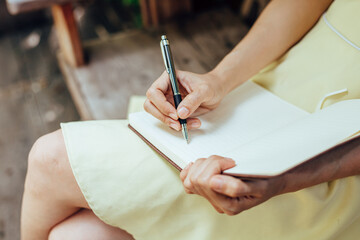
(193, 123)
(229, 186)
(204, 169)
(150, 108)
(200, 111)
(193, 179)
(190, 103)
(162, 83)
(185, 178)
(198, 93)
(160, 107)
(196, 177)
(185, 171)
(227, 194)
(156, 94)
(199, 174)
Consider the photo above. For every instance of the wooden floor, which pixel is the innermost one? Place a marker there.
(126, 64)
(33, 101)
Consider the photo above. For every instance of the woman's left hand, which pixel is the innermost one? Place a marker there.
(227, 194)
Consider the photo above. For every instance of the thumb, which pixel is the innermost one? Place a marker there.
(230, 186)
(189, 104)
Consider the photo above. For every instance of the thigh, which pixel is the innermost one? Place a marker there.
(84, 225)
(51, 192)
(49, 169)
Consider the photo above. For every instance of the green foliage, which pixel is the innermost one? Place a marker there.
(130, 2)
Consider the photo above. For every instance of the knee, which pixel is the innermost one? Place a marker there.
(47, 152)
(85, 225)
(57, 233)
(46, 157)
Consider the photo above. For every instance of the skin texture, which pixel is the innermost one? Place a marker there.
(77, 227)
(227, 194)
(202, 92)
(54, 205)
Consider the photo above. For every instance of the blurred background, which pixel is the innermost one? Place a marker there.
(68, 60)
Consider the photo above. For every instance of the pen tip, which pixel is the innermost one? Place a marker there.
(185, 133)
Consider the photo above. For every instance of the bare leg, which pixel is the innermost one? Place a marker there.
(85, 225)
(51, 193)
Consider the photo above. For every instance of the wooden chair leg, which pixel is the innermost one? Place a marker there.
(153, 12)
(68, 35)
(145, 13)
(149, 12)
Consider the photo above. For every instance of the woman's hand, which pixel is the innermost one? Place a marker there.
(227, 194)
(200, 93)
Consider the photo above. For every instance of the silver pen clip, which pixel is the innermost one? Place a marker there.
(164, 42)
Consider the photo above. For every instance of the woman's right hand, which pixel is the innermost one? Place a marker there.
(200, 92)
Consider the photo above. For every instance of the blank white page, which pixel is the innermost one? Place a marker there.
(297, 142)
(245, 115)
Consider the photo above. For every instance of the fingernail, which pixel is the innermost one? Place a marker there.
(173, 116)
(195, 124)
(217, 183)
(183, 112)
(174, 126)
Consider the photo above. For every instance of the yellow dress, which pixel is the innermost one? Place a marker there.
(129, 186)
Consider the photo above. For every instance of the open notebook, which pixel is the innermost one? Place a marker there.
(264, 134)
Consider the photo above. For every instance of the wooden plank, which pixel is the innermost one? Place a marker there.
(16, 6)
(168, 9)
(128, 63)
(145, 13)
(74, 88)
(10, 68)
(154, 12)
(22, 121)
(68, 35)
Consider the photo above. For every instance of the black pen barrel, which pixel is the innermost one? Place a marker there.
(177, 100)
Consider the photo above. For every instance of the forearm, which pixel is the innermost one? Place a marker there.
(340, 162)
(280, 26)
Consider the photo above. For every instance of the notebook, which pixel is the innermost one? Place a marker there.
(265, 135)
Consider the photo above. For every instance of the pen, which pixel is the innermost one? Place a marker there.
(170, 68)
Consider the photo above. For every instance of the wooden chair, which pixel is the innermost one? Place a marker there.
(153, 11)
(68, 34)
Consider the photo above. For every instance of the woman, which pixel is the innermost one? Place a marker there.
(95, 172)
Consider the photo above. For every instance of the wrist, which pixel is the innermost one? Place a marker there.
(218, 84)
(235, 69)
(221, 81)
(327, 167)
